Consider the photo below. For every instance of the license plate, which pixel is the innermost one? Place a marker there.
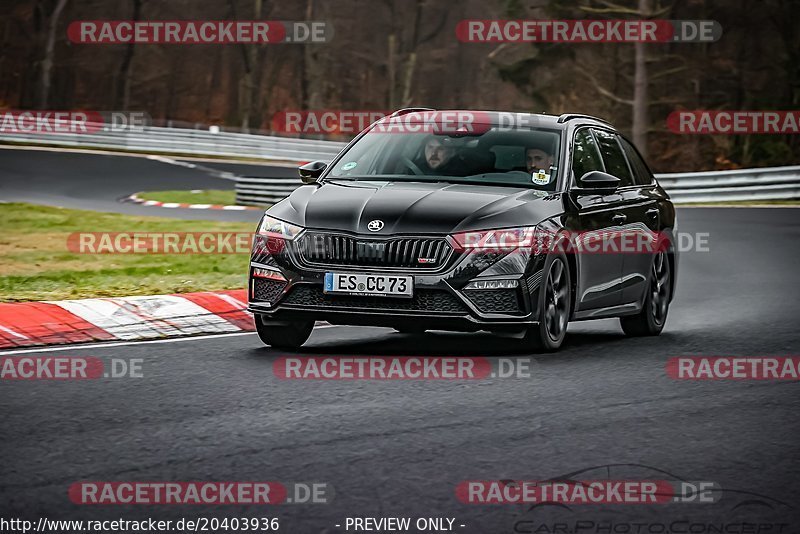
(383, 285)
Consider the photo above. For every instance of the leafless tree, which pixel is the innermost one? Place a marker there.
(49, 52)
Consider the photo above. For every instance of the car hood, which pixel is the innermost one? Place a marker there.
(414, 207)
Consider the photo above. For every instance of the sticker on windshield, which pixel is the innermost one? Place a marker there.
(349, 165)
(540, 177)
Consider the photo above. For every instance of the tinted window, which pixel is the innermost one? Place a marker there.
(585, 156)
(613, 157)
(492, 155)
(641, 174)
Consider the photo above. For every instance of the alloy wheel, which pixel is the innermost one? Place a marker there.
(555, 300)
(659, 288)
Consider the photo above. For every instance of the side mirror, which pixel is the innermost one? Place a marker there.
(599, 181)
(311, 171)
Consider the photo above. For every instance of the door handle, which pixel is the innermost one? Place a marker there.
(652, 212)
(619, 218)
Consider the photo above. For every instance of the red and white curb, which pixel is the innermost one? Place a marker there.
(123, 318)
(157, 203)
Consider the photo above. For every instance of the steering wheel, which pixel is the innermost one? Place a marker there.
(412, 167)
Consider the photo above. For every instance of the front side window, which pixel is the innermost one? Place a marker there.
(585, 156)
(491, 156)
(616, 165)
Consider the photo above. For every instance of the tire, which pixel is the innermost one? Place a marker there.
(555, 303)
(409, 329)
(287, 336)
(650, 321)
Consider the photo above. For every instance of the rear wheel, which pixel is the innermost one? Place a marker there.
(283, 335)
(650, 321)
(554, 306)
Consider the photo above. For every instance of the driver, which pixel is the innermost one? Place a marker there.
(437, 155)
(441, 157)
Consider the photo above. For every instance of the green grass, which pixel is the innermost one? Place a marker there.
(197, 196)
(36, 264)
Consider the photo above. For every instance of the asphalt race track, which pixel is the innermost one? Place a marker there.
(211, 408)
(98, 181)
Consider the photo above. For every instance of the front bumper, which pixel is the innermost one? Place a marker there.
(440, 299)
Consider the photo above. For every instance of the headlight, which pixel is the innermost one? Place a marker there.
(501, 240)
(272, 227)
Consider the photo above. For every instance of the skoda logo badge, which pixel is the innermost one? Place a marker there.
(375, 226)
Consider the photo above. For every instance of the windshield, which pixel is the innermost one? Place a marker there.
(494, 156)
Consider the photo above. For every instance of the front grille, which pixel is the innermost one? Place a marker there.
(494, 300)
(412, 252)
(424, 300)
(267, 290)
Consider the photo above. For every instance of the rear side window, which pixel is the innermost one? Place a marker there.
(641, 174)
(613, 157)
(585, 156)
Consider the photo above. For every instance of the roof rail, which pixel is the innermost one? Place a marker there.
(406, 111)
(569, 116)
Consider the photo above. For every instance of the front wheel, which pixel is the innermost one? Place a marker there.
(554, 306)
(650, 321)
(283, 335)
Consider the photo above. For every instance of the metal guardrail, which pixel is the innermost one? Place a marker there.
(772, 183)
(767, 183)
(256, 191)
(179, 141)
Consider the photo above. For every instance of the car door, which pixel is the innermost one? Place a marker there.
(598, 278)
(640, 205)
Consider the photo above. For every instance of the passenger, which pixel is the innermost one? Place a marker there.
(538, 160)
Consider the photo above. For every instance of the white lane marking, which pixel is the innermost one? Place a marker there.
(170, 205)
(225, 175)
(83, 346)
(130, 318)
(198, 206)
(13, 332)
(171, 161)
(233, 301)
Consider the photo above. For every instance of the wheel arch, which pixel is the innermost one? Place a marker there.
(563, 243)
